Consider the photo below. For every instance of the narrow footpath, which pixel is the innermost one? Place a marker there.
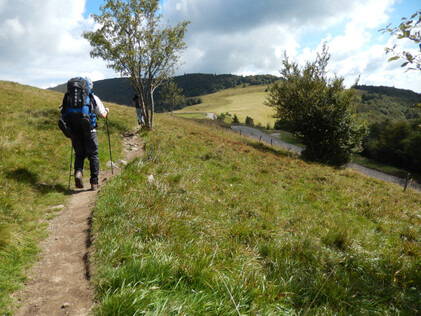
(59, 284)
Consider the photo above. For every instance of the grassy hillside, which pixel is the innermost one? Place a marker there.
(34, 170)
(227, 226)
(373, 104)
(210, 223)
(243, 102)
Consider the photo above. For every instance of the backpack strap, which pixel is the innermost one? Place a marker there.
(64, 104)
(92, 108)
(92, 103)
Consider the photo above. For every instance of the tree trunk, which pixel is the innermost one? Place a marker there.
(152, 108)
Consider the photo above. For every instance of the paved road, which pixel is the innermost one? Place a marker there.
(259, 135)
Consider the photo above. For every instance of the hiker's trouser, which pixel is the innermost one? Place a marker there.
(86, 147)
(139, 115)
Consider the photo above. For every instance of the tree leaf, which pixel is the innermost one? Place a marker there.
(393, 58)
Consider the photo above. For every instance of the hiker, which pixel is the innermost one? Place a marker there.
(138, 109)
(79, 123)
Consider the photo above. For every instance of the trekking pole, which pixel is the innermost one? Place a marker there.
(109, 144)
(70, 168)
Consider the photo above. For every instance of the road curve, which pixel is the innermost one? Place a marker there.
(259, 135)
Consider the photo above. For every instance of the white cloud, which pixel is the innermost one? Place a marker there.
(248, 36)
(42, 42)
(11, 29)
(2, 5)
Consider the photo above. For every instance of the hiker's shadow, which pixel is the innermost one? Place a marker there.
(25, 176)
(76, 191)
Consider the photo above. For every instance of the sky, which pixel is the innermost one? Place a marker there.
(41, 42)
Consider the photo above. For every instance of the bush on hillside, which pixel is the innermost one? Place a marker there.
(249, 121)
(319, 110)
(235, 119)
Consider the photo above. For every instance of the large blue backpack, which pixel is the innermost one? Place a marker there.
(78, 108)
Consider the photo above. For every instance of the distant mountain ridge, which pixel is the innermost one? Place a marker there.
(120, 90)
(374, 103)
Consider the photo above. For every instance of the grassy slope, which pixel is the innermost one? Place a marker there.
(249, 101)
(34, 169)
(232, 227)
(244, 102)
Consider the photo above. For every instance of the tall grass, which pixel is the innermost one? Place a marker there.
(34, 170)
(229, 226)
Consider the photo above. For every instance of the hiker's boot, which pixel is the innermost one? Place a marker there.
(94, 186)
(79, 179)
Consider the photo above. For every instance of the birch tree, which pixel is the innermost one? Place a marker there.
(133, 41)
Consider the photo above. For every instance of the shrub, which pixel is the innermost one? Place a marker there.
(235, 119)
(318, 110)
(249, 121)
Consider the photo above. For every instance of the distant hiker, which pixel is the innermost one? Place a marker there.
(138, 110)
(79, 111)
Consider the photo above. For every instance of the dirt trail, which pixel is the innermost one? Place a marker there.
(59, 284)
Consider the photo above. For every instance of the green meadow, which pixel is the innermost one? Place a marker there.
(208, 222)
(247, 101)
(230, 226)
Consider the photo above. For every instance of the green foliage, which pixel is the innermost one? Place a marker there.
(200, 84)
(396, 143)
(193, 101)
(378, 103)
(235, 119)
(319, 110)
(134, 43)
(249, 121)
(412, 147)
(171, 94)
(408, 29)
(224, 116)
(229, 226)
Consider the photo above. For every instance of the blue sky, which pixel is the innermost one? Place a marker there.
(42, 44)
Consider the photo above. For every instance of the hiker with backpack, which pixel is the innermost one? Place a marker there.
(80, 110)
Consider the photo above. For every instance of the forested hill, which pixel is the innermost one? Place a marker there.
(200, 84)
(120, 91)
(374, 103)
(378, 103)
